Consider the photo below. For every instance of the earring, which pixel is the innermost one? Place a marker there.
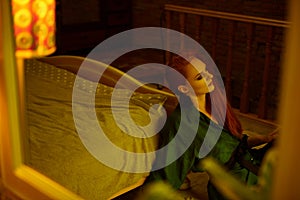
(183, 89)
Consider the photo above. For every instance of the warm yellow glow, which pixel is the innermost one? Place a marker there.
(45, 185)
(34, 27)
(286, 180)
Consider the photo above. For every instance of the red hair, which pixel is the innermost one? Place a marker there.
(216, 98)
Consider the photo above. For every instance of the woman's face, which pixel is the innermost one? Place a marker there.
(199, 78)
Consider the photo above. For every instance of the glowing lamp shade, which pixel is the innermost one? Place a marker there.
(34, 27)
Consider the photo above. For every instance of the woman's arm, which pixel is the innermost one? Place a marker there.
(258, 139)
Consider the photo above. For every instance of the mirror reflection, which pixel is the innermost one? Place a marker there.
(54, 146)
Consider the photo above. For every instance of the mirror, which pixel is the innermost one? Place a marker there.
(17, 173)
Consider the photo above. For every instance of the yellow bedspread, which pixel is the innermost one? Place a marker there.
(54, 146)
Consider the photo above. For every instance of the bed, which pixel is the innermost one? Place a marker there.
(54, 147)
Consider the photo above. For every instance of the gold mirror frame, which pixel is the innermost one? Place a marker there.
(27, 183)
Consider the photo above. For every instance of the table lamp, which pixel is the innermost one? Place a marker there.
(34, 27)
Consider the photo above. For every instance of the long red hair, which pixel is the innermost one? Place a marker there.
(215, 98)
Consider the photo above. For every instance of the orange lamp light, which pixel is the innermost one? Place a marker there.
(34, 27)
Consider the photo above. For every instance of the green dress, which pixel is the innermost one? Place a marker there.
(176, 172)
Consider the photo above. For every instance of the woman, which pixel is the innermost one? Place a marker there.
(202, 95)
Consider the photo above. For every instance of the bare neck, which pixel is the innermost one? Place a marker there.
(200, 104)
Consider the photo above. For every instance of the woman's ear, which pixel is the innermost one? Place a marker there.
(183, 89)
